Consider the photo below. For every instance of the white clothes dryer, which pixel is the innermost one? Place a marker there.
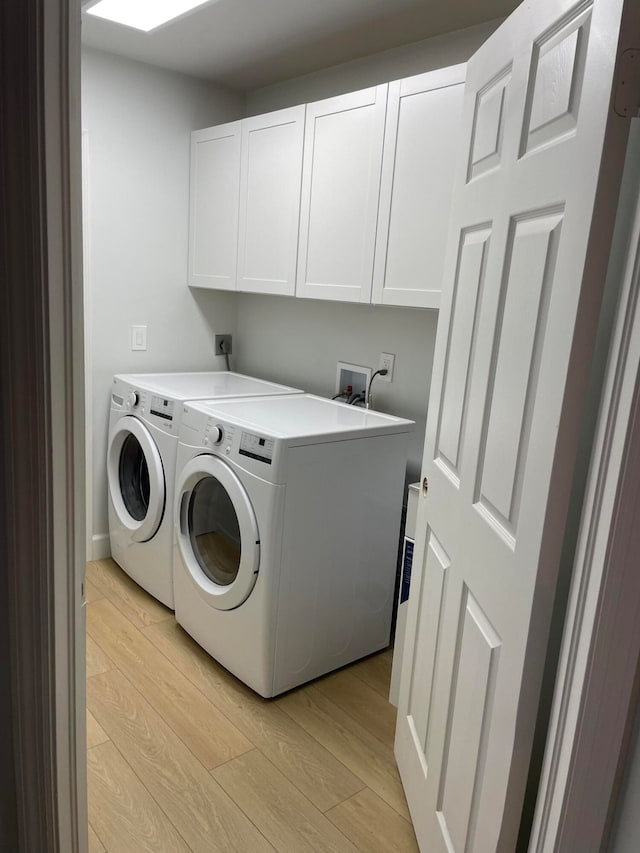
(141, 458)
(287, 517)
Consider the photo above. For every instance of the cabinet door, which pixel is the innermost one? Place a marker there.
(340, 190)
(422, 129)
(270, 177)
(213, 206)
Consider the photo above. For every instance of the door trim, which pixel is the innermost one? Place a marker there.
(595, 698)
(43, 429)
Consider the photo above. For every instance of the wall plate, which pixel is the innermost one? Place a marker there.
(355, 375)
(138, 338)
(387, 362)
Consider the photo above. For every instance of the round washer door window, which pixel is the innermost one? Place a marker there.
(133, 474)
(136, 478)
(218, 534)
(214, 531)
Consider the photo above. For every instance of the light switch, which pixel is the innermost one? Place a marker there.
(138, 338)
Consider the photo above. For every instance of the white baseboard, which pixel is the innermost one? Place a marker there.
(100, 546)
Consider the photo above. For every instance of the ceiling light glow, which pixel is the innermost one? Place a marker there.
(142, 14)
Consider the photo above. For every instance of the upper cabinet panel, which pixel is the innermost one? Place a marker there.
(340, 192)
(422, 126)
(213, 206)
(270, 176)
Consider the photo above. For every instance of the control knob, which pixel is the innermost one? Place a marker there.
(133, 399)
(216, 435)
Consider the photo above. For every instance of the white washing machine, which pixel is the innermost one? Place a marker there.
(287, 517)
(141, 458)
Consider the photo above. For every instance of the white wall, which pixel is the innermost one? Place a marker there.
(416, 58)
(299, 341)
(137, 122)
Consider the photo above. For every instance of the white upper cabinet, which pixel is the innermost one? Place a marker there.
(213, 206)
(345, 199)
(270, 176)
(422, 128)
(340, 191)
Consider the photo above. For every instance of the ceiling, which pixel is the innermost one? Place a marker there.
(247, 44)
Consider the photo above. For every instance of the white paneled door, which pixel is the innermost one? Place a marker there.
(533, 209)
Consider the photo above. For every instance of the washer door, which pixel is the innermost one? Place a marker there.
(217, 532)
(136, 478)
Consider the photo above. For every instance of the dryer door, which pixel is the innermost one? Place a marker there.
(136, 478)
(217, 532)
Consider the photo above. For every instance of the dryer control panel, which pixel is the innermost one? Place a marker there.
(256, 447)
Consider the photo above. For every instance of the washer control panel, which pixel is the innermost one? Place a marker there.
(162, 408)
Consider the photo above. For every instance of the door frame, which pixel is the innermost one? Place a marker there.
(42, 453)
(46, 570)
(596, 697)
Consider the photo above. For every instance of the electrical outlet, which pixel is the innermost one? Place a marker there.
(223, 344)
(387, 360)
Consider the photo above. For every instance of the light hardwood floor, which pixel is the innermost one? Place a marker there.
(183, 757)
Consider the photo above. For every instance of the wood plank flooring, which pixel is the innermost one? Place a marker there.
(184, 757)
